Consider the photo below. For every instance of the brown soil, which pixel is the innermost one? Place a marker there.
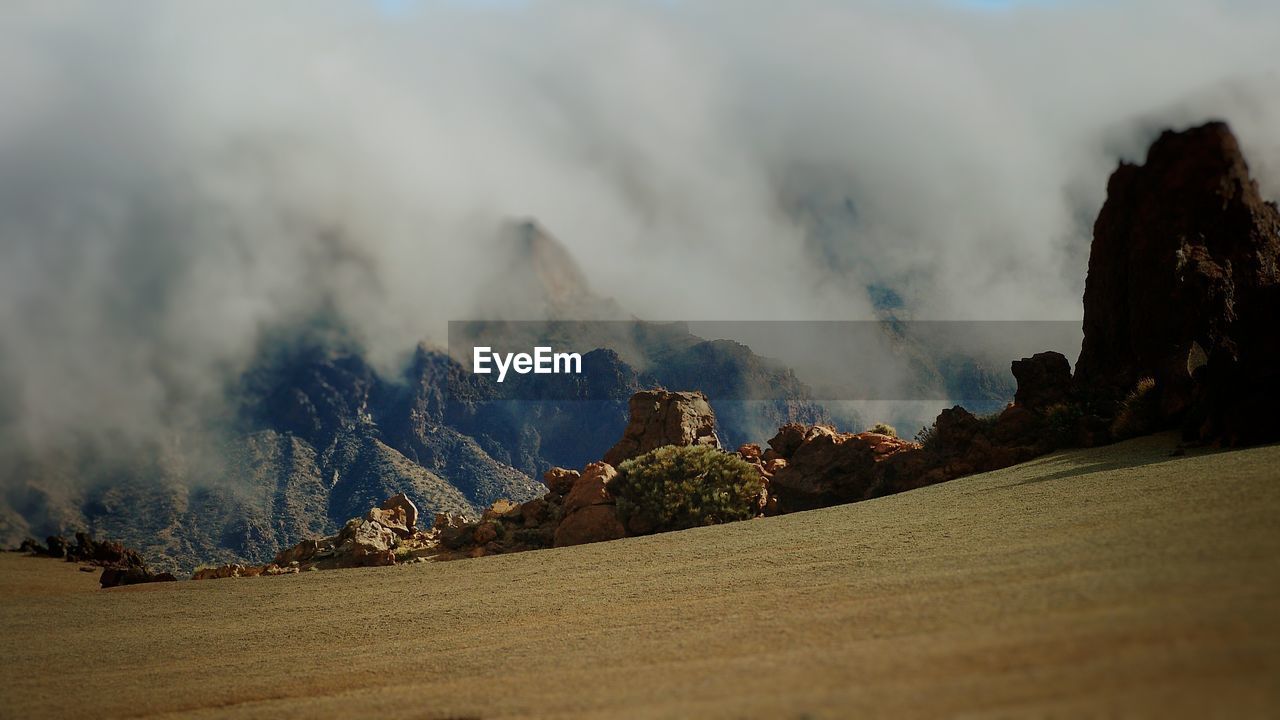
(1118, 581)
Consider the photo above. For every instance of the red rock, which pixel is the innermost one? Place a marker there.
(1043, 379)
(500, 509)
(787, 441)
(660, 418)
(1186, 254)
(393, 520)
(485, 532)
(560, 481)
(534, 512)
(591, 524)
(592, 488)
(408, 510)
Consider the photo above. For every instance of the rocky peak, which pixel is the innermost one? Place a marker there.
(660, 418)
(1180, 244)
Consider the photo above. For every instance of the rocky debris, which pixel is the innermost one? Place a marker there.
(403, 508)
(117, 576)
(1044, 380)
(660, 418)
(590, 514)
(1184, 288)
(596, 523)
(120, 565)
(559, 480)
(226, 571)
(819, 466)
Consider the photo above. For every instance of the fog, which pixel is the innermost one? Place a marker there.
(177, 178)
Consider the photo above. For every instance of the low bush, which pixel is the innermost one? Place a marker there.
(1139, 413)
(674, 488)
(1062, 423)
(884, 429)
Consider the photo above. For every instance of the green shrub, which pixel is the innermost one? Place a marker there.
(884, 429)
(1062, 422)
(674, 488)
(928, 439)
(1139, 413)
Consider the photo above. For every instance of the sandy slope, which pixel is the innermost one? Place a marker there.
(1116, 580)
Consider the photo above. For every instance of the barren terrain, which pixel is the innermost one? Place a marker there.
(1108, 581)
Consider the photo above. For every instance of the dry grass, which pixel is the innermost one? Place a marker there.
(1116, 582)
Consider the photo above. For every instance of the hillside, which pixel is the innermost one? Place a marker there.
(1107, 581)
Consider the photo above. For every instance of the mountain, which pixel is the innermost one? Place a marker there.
(315, 435)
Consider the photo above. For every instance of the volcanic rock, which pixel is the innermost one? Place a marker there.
(828, 467)
(1044, 380)
(595, 523)
(559, 480)
(660, 418)
(1185, 255)
(408, 510)
(592, 488)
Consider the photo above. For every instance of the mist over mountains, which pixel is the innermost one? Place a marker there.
(225, 228)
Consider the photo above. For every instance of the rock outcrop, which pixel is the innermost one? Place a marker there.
(818, 466)
(1044, 380)
(1184, 288)
(590, 514)
(660, 418)
(120, 565)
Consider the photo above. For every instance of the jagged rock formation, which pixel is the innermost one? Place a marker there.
(1184, 288)
(660, 418)
(819, 466)
(1044, 380)
(120, 565)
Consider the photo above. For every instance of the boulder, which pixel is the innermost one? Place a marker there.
(57, 546)
(560, 481)
(826, 468)
(485, 533)
(787, 441)
(592, 488)
(1044, 380)
(501, 509)
(303, 552)
(955, 430)
(405, 506)
(660, 418)
(394, 520)
(1184, 279)
(373, 545)
(131, 575)
(591, 524)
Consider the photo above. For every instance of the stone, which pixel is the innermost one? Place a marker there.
(1044, 380)
(394, 520)
(1184, 279)
(560, 481)
(485, 533)
(827, 468)
(407, 508)
(591, 488)
(501, 509)
(787, 441)
(591, 524)
(660, 418)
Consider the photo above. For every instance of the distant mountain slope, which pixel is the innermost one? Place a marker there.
(315, 435)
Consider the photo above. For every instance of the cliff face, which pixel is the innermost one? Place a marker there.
(1182, 285)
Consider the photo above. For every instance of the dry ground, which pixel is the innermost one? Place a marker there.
(1118, 581)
